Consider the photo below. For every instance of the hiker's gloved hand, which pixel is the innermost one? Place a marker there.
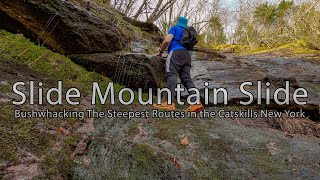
(159, 54)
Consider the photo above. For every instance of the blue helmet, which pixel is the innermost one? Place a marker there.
(182, 22)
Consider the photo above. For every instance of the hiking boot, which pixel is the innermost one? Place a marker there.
(165, 106)
(195, 108)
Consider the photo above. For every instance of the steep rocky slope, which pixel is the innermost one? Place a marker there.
(70, 29)
(61, 26)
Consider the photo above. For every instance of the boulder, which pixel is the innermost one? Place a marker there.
(61, 26)
(148, 27)
(134, 70)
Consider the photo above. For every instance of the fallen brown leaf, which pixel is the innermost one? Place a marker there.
(289, 135)
(59, 130)
(178, 165)
(63, 131)
(185, 141)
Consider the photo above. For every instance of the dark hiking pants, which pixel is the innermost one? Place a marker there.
(179, 63)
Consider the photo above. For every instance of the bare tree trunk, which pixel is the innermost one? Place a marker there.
(170, 16)
(140, 10)
(159, 12)
(129, 7)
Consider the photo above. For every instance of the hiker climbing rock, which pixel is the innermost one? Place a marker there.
(179, 41)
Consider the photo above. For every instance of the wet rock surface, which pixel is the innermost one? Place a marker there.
(61, 26)
(218, 148)
(222, 148)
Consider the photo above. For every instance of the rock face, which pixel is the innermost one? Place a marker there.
(230, 73)
(61, 26)
(89, 40)
(131, 70)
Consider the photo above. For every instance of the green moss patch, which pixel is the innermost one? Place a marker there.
(22, 60)
(56, 66)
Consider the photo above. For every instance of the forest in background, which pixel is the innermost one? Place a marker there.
(249, 23)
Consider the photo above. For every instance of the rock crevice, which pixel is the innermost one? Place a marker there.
(134, 70)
